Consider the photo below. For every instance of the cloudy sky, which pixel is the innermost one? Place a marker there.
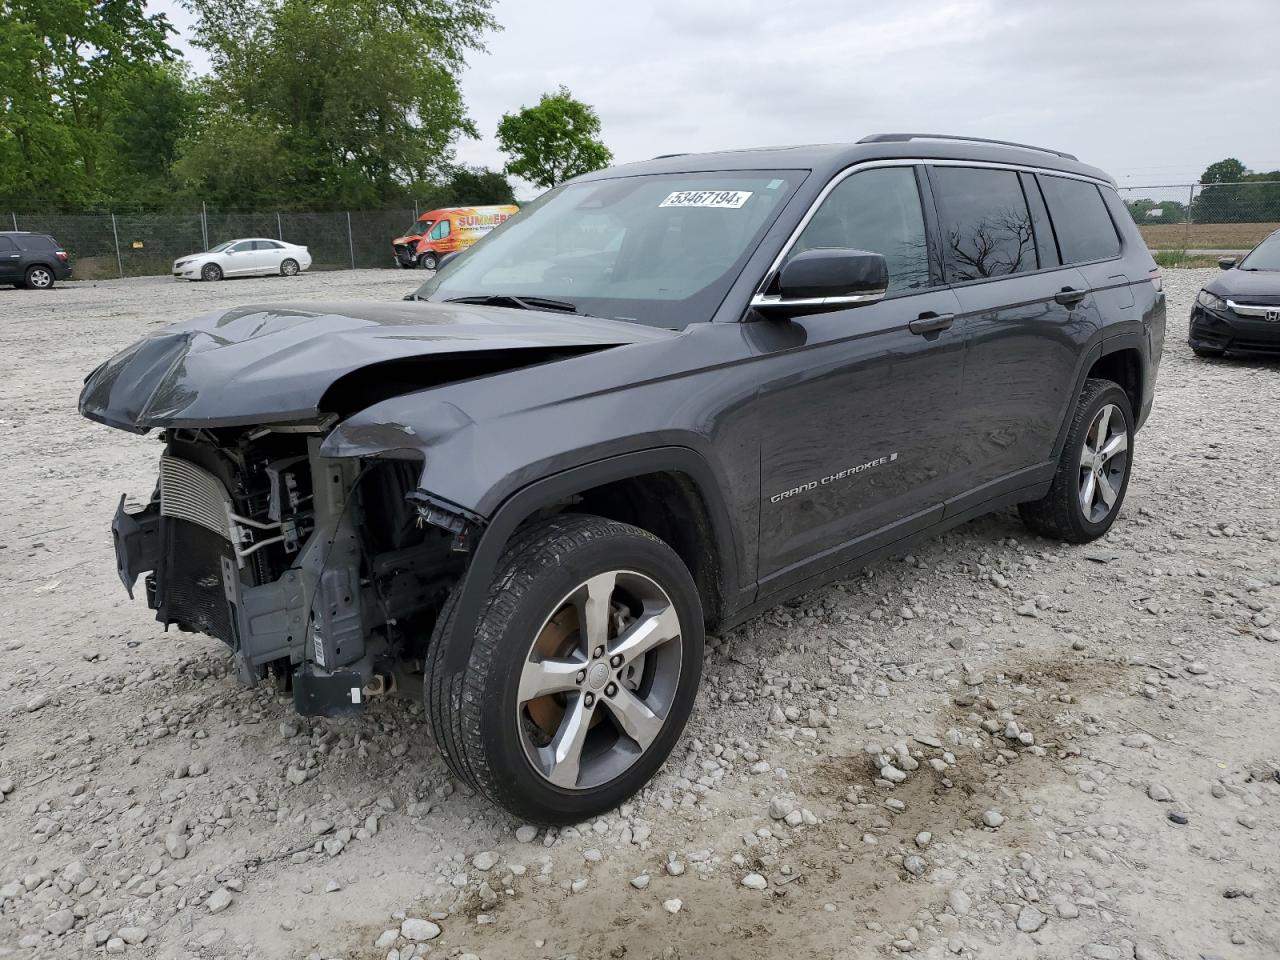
(1153, 91)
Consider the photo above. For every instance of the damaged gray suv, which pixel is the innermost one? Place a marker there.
(662, 398)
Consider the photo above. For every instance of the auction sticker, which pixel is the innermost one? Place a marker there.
(730, 199)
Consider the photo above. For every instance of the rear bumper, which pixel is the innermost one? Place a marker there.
(1219, 331)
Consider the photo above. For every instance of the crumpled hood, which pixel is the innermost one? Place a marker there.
(273, 363)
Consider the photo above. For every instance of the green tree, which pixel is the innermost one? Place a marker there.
(1230, 170)
(357, 98)
(476, 186)
(157, 108)
(554, 141)
(63, 67)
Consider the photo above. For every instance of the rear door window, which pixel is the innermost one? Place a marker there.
(266, 245)
(877, 210)
(1080, 220)
(985, 223)
(7, 245)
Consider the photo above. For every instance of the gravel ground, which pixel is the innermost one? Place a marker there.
(997, 747)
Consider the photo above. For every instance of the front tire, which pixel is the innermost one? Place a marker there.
(39, 278)
(428, 261)
(554, 722)
(211, 272)
(1093, 471)
(289, 268)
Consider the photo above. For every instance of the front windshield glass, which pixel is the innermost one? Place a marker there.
(1265, 256)
(660, 250)
(222, 246)
(418, 228)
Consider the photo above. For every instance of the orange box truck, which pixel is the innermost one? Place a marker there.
(447, 230)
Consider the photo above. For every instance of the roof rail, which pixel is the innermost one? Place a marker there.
(903, 137)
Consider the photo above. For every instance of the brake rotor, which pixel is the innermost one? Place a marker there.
(557, 639)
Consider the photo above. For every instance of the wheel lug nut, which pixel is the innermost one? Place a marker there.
(615, 660)
(598, 653)
(589, 699)
(582, 676)
(610, 690)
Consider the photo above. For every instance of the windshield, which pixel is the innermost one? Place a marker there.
(660, 250)
(222, 246)
(1265, 256)
(418, 228)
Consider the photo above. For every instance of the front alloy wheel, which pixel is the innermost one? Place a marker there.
(580, 675)
(599, 680)
(211, 271)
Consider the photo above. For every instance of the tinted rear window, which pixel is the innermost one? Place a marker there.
(37, 242)
(986, 226)
(1080, 220)
(7, 244)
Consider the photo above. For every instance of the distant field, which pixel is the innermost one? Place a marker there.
(1204, 236)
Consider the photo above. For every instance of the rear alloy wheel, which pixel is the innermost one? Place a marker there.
(581, 675)
(428, 261)
(39, 278)
(211, 271)
(289, 268)
(1093, 472)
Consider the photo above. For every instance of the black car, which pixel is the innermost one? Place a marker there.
(32, 260)
(1240, 308)
(665, 397)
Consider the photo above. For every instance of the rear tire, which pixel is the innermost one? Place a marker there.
(39, 278)
(507, 723)
(211, 272)
(1093, 471)
(289, 267)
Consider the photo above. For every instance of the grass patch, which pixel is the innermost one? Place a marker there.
(1179, 258)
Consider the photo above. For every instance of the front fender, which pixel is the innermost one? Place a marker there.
(526, 501)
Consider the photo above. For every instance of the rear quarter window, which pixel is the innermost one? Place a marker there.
(1080, 220)
(37, 242)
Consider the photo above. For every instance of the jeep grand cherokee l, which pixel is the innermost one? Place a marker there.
(664, 397)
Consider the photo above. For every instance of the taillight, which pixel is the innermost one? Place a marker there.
(1156, 278)
(61, 255)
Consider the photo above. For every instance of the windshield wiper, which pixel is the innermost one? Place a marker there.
(520, 303)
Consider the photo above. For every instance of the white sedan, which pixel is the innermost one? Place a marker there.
(254, 257)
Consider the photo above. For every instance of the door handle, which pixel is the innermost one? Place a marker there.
(931, 323)
(1069, 297)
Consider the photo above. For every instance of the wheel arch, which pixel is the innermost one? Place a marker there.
(1122, 364)
(669, 491)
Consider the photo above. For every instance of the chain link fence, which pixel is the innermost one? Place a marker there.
(1205, 220)
(1188, 220)
(146, 244)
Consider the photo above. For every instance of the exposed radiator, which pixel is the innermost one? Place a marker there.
(191, 493)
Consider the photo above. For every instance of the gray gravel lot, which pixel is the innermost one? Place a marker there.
(1087, 738)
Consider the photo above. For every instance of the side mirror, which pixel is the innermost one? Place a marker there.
(1226, 263)
(831, 278)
